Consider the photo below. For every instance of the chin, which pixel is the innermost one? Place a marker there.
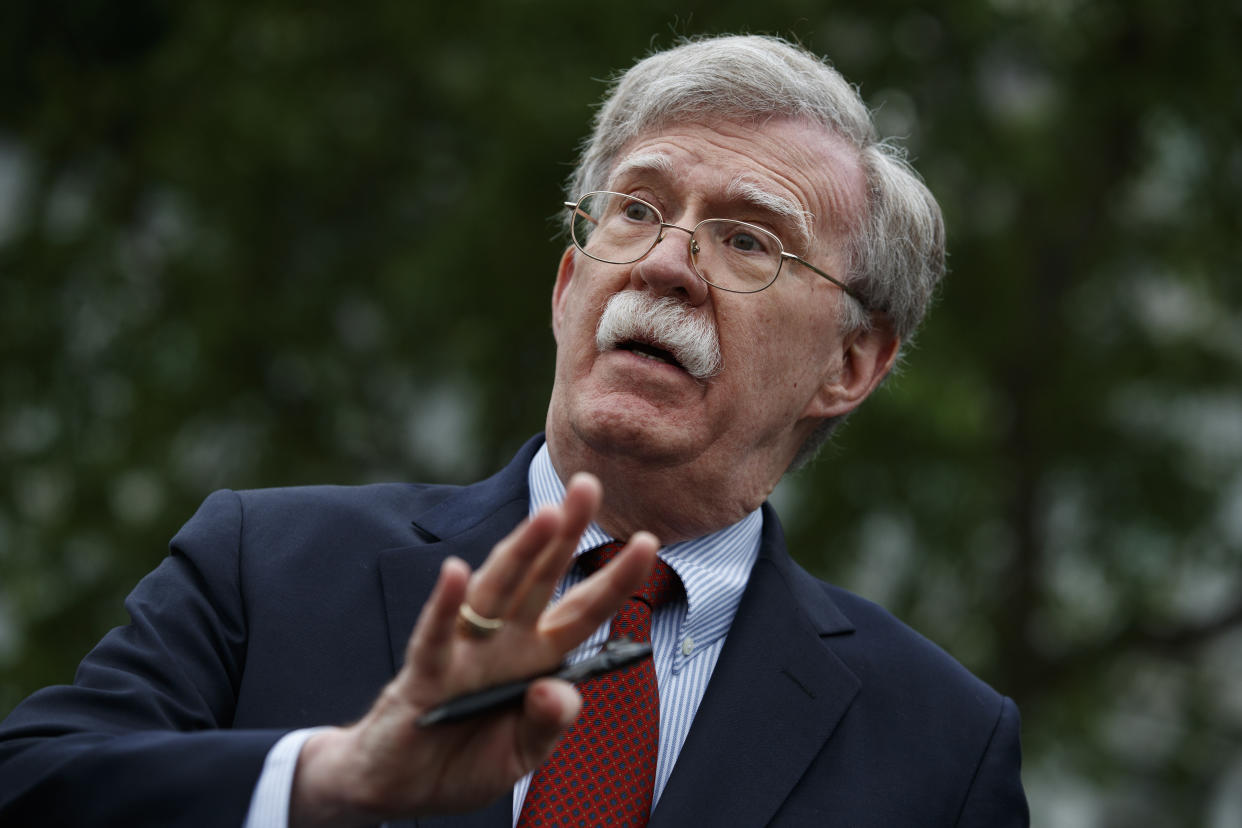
(628, 432)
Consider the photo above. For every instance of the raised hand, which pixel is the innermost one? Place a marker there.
(385, 766)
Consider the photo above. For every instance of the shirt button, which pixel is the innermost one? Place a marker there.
(687, 645)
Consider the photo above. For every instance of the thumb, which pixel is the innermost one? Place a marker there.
(551, 706)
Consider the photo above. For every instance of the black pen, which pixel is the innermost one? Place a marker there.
(616, 655)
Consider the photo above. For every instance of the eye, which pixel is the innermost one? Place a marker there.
(638, 211)
(744, 241)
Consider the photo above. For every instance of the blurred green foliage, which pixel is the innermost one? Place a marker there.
(271, 243)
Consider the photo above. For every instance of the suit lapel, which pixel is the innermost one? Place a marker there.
(465, 523)
(408, 574)
(775, 697)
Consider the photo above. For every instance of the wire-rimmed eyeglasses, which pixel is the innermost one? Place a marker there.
(732, 255)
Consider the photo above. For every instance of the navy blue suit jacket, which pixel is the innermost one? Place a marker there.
(286, 608)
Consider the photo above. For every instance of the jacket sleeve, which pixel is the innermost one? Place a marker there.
(996, 798)
(142, 735)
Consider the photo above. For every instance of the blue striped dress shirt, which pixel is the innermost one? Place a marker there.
(686, 639)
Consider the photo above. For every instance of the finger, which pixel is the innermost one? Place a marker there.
(429, 647)
(550, 707)
(583, 496)
(596, 599)
(496, 583)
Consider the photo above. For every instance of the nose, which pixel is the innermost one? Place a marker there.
(668, 271)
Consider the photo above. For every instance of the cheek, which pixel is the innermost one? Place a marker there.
(583, 300)
(768, 336)
(576, 322)
(783, 350)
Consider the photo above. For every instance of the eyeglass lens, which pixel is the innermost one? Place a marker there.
(621, 229)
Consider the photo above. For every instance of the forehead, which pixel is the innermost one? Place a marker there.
(793, 170)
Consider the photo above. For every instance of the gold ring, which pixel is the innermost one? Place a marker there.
(473, 624)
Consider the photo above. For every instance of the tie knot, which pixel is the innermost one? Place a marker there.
(661, 586)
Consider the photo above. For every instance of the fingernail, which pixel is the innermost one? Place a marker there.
(643, 535)
(583, 476)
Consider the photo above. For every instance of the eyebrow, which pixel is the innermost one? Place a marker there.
(744, 189)
(741, 188)
(646, 162)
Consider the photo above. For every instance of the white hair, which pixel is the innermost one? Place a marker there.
(896, 249)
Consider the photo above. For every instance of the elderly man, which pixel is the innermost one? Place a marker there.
(746, 261)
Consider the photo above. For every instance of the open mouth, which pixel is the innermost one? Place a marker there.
(662, 329)
(649, 351)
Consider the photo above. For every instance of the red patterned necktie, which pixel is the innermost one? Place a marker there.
(603, 770)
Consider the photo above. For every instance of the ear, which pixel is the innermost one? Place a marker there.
(564, 273)
(866, 358)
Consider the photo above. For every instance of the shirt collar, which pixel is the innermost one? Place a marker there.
(714, 568)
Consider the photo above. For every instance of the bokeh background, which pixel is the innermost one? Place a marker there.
(271, 243)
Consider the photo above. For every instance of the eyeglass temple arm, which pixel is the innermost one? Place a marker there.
(849, 291)
(573, 205)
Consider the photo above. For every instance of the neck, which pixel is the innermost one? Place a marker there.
(675, 502)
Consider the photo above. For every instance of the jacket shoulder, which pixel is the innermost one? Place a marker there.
(327, 504)
(886, 646)
(903, 669)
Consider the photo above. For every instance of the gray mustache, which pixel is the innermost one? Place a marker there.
(665, 322)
